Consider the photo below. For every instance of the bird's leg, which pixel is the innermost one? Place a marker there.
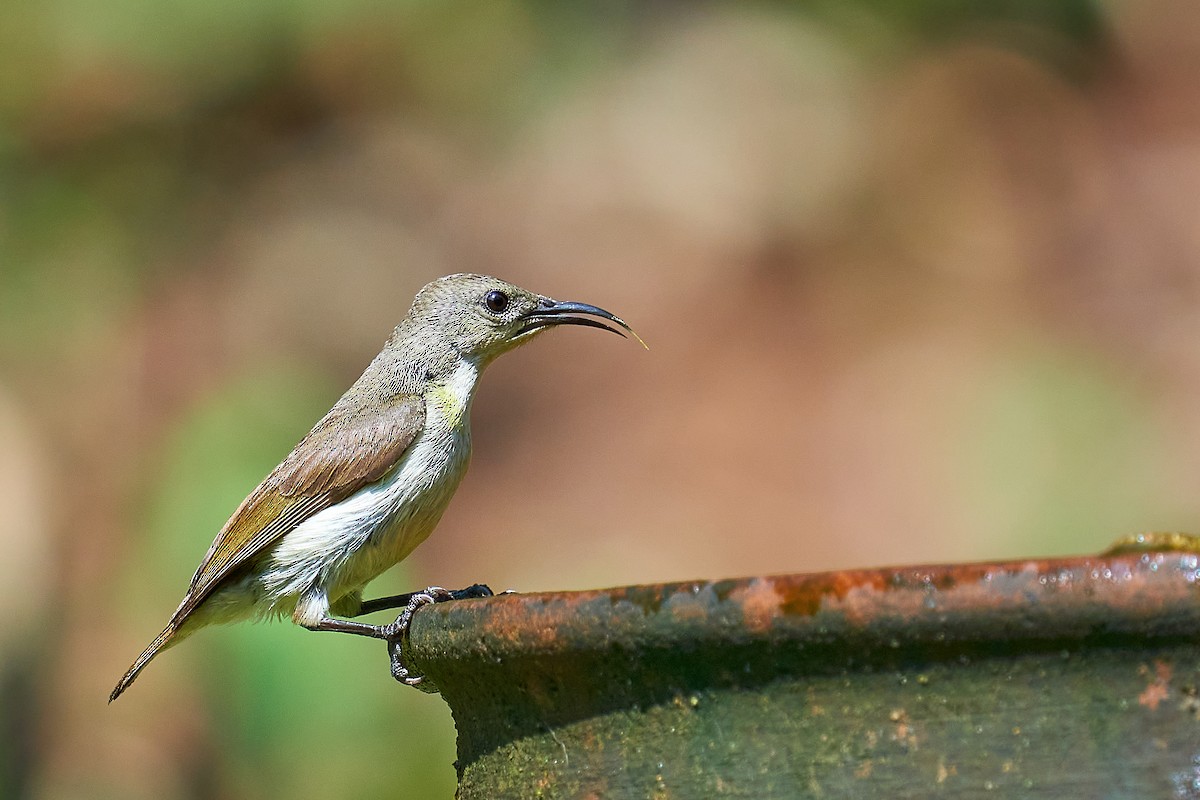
(402, 600)
(313, 613)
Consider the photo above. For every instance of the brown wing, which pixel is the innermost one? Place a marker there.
(338, 457)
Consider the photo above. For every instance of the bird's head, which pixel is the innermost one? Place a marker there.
(482, 317)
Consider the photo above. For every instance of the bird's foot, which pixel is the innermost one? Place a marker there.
(473, 591)
(396, 633)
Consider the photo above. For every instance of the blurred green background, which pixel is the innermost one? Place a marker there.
(921, 282)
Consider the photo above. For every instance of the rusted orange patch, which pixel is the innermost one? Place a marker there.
(1159, 688)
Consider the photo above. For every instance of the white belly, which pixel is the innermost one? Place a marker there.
(340, 549)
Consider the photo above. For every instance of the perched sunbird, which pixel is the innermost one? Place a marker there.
(371, 479)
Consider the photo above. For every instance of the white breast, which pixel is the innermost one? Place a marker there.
(340, 549)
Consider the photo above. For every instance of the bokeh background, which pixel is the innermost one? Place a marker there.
(921, 282)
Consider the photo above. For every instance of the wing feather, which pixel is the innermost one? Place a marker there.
(340, 455)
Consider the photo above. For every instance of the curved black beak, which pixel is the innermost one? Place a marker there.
(549, 313)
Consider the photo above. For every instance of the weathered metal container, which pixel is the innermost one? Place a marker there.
(1070, 678)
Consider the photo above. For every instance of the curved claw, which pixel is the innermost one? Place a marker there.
(397, 637)
(396, 633)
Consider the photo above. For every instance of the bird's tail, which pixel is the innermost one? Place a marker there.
(160, 642)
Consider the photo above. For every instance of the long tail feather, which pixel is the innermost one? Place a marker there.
(153, 649)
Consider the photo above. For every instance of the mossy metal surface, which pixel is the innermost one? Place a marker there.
(1064, 678)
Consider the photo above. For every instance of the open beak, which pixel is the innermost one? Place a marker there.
(549, 313)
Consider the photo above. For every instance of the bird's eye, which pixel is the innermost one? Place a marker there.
(496, 301)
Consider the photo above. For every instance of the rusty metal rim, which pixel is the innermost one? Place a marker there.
(1138, 595)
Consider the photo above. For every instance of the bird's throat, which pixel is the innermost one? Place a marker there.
(452, 395)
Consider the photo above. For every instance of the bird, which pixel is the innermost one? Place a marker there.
(372, 478)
